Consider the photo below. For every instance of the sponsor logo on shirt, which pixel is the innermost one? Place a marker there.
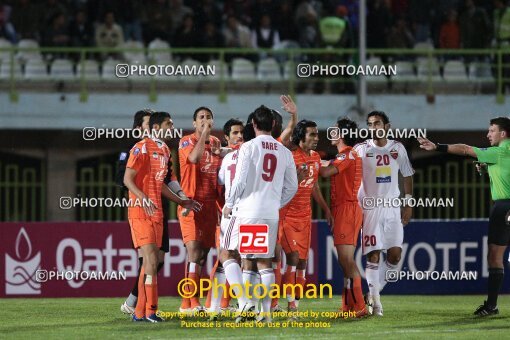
(370, 154)
(394, 154)
(383, 174)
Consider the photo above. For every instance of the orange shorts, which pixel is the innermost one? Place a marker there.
(146, 231)
(348, 219)
(200, 226)
(296, 235)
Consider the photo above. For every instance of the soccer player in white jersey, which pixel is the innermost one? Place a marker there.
(382, 225)
(233, 131)
(265, 180)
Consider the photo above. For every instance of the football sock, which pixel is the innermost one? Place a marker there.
(496, 276)
(235, 278)
(151, 290)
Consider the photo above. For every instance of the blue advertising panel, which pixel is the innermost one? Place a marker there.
(438, 257)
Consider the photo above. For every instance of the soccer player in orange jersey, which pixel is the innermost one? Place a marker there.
(199, 159)
(283, 137)
(296, 217)
(346, 174)
(145, 172)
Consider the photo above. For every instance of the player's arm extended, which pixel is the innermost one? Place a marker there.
(181, 199)
(328, 171)
(290, 107)
(456, 149)
(317, 196)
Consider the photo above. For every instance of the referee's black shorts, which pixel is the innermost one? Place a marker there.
(165, 243)
(499, 226)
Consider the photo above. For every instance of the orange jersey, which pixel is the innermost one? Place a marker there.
(345, 184)
(150, 160)
(199, 181)
(300, 206)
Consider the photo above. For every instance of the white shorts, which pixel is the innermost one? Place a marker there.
(229, 234)
(382, 229)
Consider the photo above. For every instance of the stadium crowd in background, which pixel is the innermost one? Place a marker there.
(256, 23)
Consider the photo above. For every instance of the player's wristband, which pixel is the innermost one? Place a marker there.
(442, 147)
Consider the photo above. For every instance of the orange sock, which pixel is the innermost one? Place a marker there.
(142, 297)
(346, 295)
(345, 304)
(151, 290)
(225, 300)
(211, 277)
(277, 268)
(185, 303)
(194, 300)
(358, 294)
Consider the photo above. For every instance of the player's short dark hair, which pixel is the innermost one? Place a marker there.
(263, 117)
(381, 114)
(249, 131)
(278, 124)
(346, 124)
(138, 118)
(228, 125)
(299, 132)
(503, 123)
(158, 118)
(200, 109)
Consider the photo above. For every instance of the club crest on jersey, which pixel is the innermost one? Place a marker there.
(155, 155)
(136, 152)
(394, 154)
(383, 174)
(184, 144)
(341, 156)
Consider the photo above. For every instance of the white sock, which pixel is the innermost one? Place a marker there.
(384, 266)
(249, 276)
(235, 279)
(372, 274)
(131, 300)
(268, 279)
(217, 294)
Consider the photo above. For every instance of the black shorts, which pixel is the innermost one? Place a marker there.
(165, 243)
(499, 228)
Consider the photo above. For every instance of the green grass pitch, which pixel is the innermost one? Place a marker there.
(404, 316)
